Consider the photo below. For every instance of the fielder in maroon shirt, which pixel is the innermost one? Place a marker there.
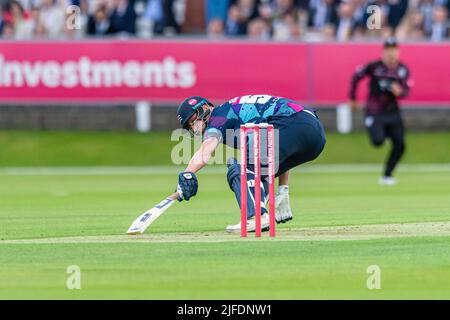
(383, 120)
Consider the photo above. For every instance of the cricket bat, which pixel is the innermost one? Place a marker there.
(147, 218)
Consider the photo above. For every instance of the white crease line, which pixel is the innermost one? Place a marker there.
(340, 233)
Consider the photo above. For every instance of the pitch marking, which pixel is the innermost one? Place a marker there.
(342, 233)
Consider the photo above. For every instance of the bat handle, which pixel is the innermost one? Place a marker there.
(174, 196)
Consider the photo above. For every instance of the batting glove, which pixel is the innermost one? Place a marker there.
(187, 185)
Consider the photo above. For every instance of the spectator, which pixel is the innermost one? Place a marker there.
(265, 10)
(270, 11)
(321, 13)
(440, 26)
(374, 22)
(396, 11)
(303, 5)
(20, 21)
(286, 27)
(344, 25)
(154, 16)
(76, 19)
(240, 13)
(426, 7)
(1, 19)
(412, 27)
(234, 26)
(328, 32)
(123, 17)
(53, 15)
(160, 13)
(359, 33)
(258, 30)
(170, 22)
(98, 23)
(314, 20)
(216, 29)
(359, 14)
(303, 19)
(28, 5)
(283, 7)
(247, 9)
(40, 32)
(8, 31)
(84, 14)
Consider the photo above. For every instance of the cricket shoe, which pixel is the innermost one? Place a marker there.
(282, 204)
(251, 225)
(387, 181)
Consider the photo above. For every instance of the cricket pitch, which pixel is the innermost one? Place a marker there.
(344, 233)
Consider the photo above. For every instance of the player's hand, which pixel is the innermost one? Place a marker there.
(354, 105)
(187, 185)
(396, 89)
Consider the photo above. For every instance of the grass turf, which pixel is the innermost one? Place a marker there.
(49, 148)
(43, 206)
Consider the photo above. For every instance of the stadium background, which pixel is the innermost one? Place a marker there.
(88, 69)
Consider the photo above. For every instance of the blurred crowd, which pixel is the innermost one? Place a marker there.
(309, 20)
(335, 20)
(58, 19)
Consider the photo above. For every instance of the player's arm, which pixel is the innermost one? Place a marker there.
(187, 181)
(360, 73)
(202, 156)
(401, 89)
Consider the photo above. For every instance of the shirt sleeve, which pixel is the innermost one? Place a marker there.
(213, 133)
(404, 78)
(360, 73)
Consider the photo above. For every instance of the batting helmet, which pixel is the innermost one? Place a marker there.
(189, 107)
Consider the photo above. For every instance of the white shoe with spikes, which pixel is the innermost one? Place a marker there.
(236, 228)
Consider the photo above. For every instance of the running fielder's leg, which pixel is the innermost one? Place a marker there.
(395, 131)
(377, 129)
(234, 181)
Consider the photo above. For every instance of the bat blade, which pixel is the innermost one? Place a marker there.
(147, 218)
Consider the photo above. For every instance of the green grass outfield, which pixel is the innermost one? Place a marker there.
(53, 218)
(60, 206)
(49, 148)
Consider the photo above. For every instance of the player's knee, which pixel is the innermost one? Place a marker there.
(376, 137)
(400, 147)
(377, 142)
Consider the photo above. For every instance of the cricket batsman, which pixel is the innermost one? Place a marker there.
(301, 139)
